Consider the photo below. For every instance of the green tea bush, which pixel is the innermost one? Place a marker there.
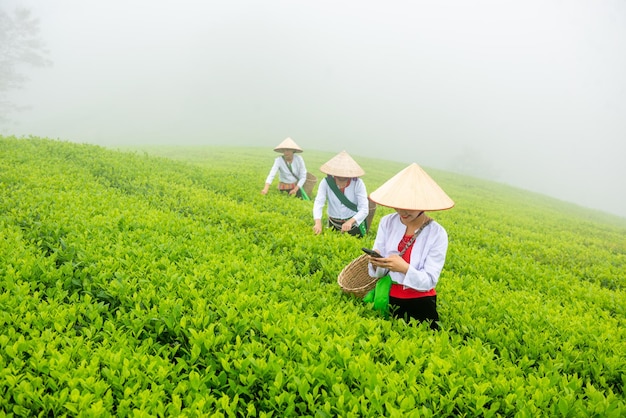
(160, 282)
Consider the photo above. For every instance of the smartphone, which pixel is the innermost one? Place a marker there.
(371, 252)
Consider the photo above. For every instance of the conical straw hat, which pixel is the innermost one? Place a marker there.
(412, 189)
(288, 143)
(342, 165)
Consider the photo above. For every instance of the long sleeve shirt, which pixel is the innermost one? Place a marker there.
(284, 175)
(355, 192)
(428, 254)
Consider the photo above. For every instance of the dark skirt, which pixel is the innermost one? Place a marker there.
(335, 224)
(421, 309)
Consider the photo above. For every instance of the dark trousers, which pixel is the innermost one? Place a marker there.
(421, 309)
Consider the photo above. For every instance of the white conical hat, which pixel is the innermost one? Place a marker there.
(342, 165)
(288, 143)
(412, 189)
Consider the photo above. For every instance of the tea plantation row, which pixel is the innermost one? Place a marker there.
(137, 285)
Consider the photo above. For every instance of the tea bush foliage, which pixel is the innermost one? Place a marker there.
(160, 282)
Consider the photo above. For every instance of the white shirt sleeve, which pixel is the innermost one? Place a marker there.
(320, 199)
(362, 204)
(427, 259)
(273, 171)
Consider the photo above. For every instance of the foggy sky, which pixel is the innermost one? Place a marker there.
(528, 93)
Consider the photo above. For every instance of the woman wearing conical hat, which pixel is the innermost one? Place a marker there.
(346, 195)
(290, 168)
(412, 245)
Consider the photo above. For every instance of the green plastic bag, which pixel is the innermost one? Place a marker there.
(363, 228)
(379, 295)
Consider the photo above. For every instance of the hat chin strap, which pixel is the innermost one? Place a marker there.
(416, 218)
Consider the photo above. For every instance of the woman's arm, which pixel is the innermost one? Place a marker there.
(423, 272)
(320, 200)
(380, 245)
(273, 171)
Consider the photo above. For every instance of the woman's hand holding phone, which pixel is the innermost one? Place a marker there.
(371, 253)
(393, 263)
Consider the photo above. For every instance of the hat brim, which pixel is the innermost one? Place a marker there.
(342, 165)
(287, 149)
(288, 144)
(412, 189)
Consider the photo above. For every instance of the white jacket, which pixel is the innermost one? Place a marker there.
(428, 254)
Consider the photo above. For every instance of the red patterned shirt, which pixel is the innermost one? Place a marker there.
(403, 292)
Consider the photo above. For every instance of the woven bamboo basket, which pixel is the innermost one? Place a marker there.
(355, 279)
(309, 184)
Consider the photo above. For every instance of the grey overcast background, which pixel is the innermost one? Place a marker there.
(529, 93)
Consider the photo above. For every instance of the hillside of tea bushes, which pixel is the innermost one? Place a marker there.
(160, 282)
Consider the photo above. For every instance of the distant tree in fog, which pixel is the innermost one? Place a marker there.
(20, 47)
